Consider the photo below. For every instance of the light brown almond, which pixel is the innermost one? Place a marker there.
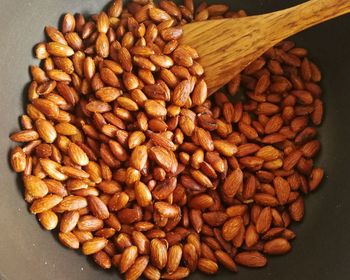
(94, 245)
(48, 219)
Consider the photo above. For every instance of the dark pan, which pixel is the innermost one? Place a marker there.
(322, 248)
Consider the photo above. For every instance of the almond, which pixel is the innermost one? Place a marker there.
(232, 183)
(18, 159)
(204, 139)
(251, 259)
(141, 241)
(142, 194)
(70, 203)
(264, 220)
(316, 177)
(225, 148)
(69, 221)
(282, 189)
(180, 273)
(35, 186)
(278, 246)
(94, 245)
(190, 256)
(137, 268)
(139, 157)
(98, 207)
(158, 252)
(226, 260)
(69, 240)
(207, 266)
(59, 49)
(77, 154)
(155, 109)
(128, 258)
(231, 228)
(48, 219)
(46, 203)
(174, 258)
(166, 210)
(164, 158)
(102, 259)
(24, 136)
(296, 209)
(201, 201)
(181, 93)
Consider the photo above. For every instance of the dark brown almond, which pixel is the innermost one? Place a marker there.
(278, 246)
(251, 259)
(232, 183)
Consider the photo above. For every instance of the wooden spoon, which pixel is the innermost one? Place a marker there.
(227, 46)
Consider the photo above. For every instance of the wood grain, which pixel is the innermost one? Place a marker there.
(227, 46)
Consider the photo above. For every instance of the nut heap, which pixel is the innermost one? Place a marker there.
(136, 165)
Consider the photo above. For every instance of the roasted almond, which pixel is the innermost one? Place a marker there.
(251, 259)
(278, 246)
(48, 219)
(128, 258)
(46, 203)
(18, 159)
(97, 207)
(94, 245)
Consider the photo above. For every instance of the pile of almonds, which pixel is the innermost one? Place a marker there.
(130, 158)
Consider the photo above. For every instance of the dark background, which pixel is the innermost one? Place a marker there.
(322, 248)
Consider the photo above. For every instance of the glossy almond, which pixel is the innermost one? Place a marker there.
(174, 258)
(142, 194)
(69, 240)
(18, 159)
(231, 228)
(35, 186)
(97, 207)
(128, 258)
(46, 203)
(48, 219)
(94, 245)
(46, 130)
(137, 268)
(278, 246)
(232, 183)
(158, 252)
(251, 259)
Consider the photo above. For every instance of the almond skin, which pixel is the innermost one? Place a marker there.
(94, 245)
(77, 154)
(35, 186)
(278, 246)
(128, 258)
(142, 194)
(207, 266)
(137, 268)
(18, 159)
(232, 183)
(251, 259)
(69, 240)
(226, 260)
(48, 219)
(46, 130)
(174, 258)
(46, 203)
(139, 157)
(231, 228)
(69, 221)
(97, 207)
(159, 254)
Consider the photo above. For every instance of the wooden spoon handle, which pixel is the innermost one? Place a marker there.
(227, 46)
(285, 23)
